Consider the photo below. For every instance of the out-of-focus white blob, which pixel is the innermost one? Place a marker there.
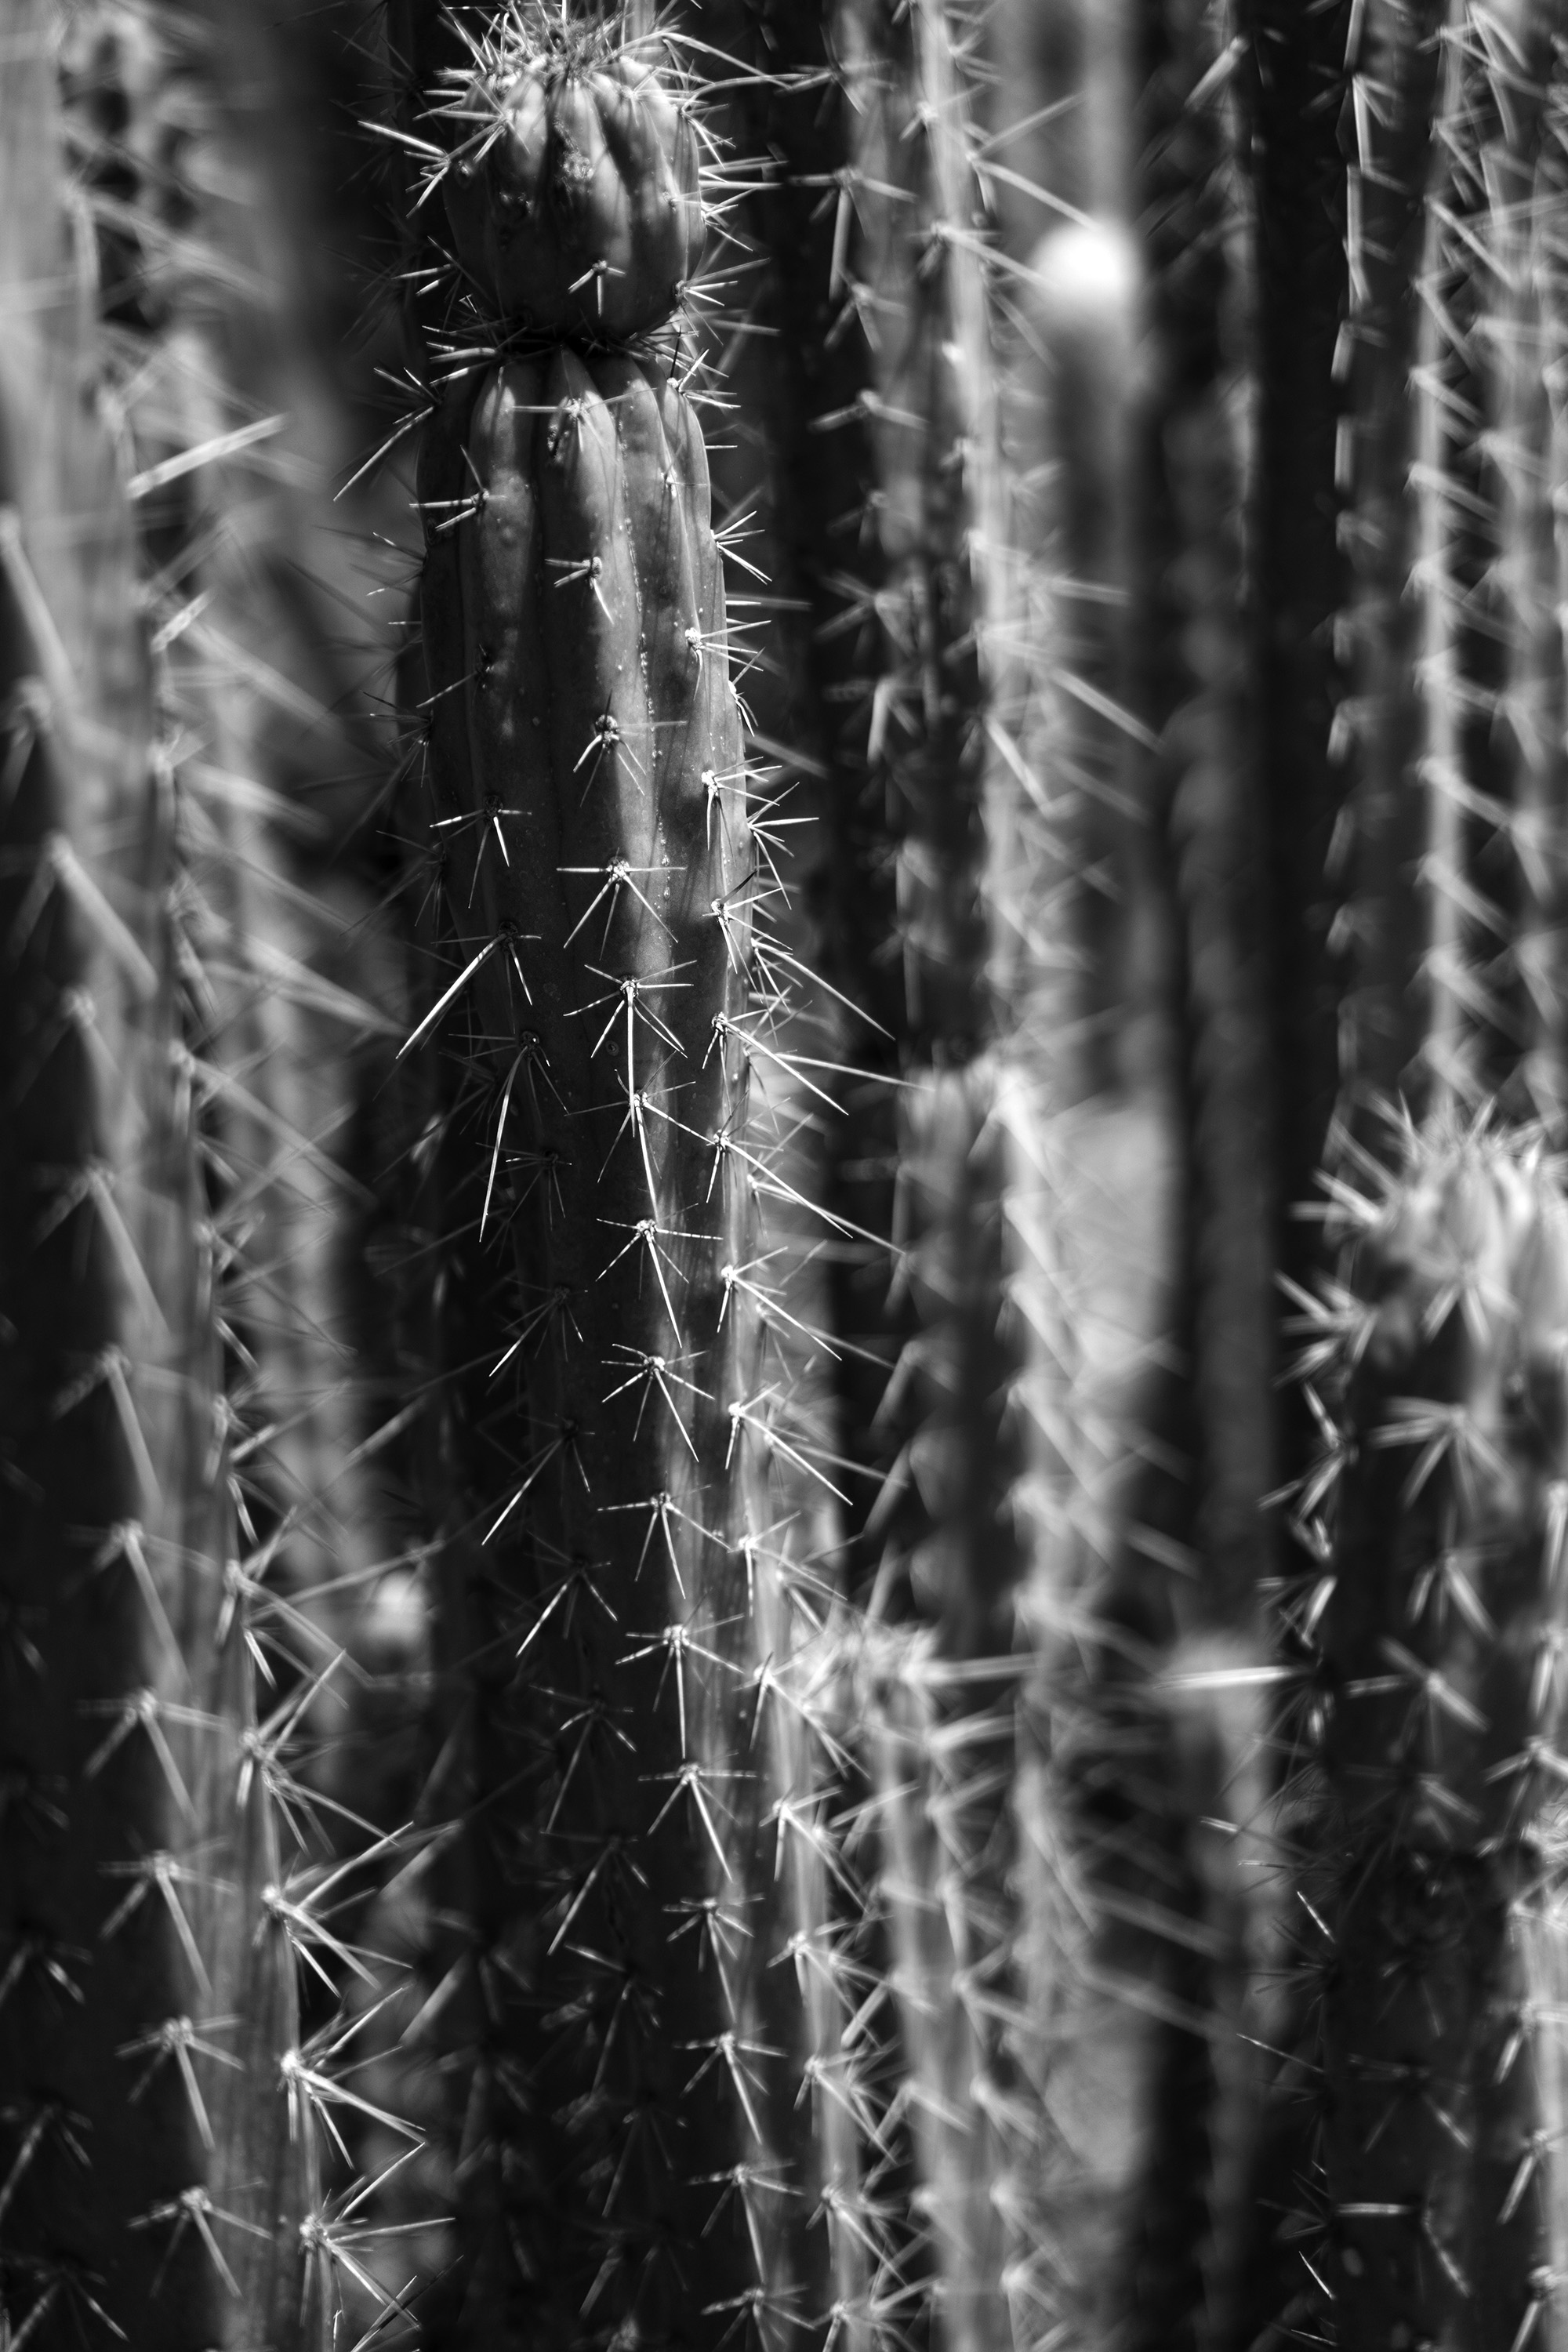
(1086, 280)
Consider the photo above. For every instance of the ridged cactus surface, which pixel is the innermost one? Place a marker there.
(573, 189)
(158, 2186)
(585, 758)
(1436, 1620)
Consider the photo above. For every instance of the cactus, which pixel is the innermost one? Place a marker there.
(1396, 60)
(1429, 1889)
(156, 2180)
(943, 1536)
(1433, 1712)
(187, 2081)
(1484, 458)
(580, 704)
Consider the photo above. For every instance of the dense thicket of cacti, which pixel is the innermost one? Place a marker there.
(581, 704)
(816, 1595)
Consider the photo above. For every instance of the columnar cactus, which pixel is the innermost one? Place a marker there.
(1435, 1617)
(586, 757)
(630, 1598)
(1395, 67)
(159, 2162)
(1489, 565)
(1419, 1617)
(942, 1540)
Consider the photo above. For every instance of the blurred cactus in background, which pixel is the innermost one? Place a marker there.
(782, 1342)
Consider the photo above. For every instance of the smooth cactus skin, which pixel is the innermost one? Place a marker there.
(586, 760)
(1435, 1614)
(572, 186)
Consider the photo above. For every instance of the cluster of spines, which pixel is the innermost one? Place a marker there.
(448, 70)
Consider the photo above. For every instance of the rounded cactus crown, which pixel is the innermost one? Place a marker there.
(573, 195)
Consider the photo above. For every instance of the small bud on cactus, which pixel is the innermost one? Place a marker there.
(575, 198)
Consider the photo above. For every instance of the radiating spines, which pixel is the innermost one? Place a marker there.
(566, 175)
(573, 188)
(1446, 1373)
